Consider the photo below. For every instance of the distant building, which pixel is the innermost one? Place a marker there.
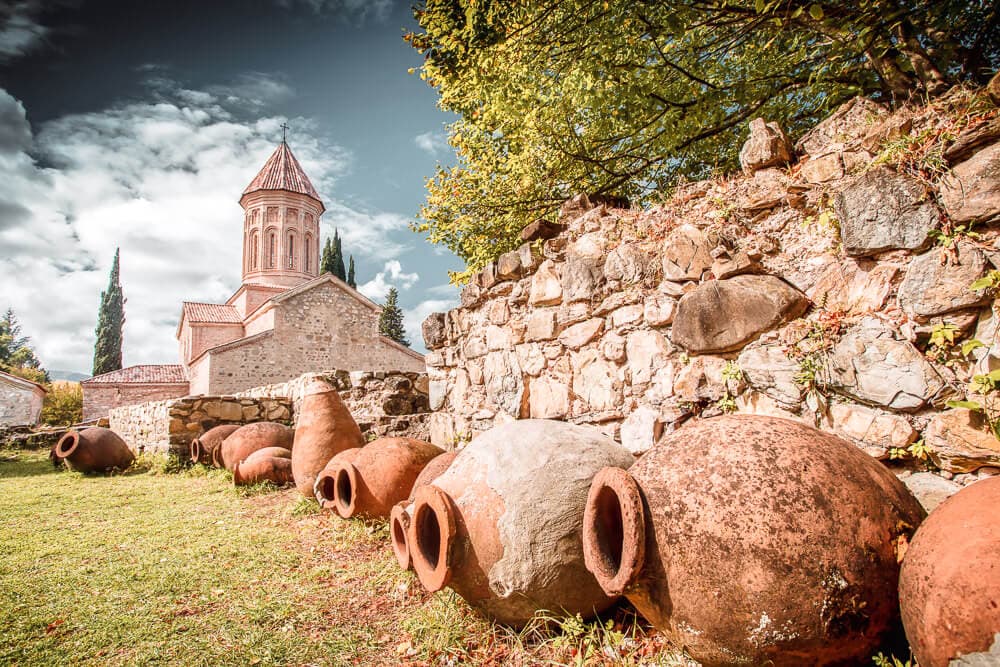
(283, 321)
(20, 400)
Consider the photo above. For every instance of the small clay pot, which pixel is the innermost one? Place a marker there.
(399, 517)
(379, 476)
(247, 439)
(755, 540)
(276, 452)
(204, 446)
(324, 488)
(274, 469)
(94, 450)
(502, 525)
(324, 428)
(949, 586)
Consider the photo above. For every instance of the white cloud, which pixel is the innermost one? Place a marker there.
(161, 180)
(20, 31)
(365, 233)
(432, 143)
(391, 275)
(413, 319)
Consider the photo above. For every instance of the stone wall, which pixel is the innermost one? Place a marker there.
(168, 427)
(807, 291)
(100, 399)
(383, 403)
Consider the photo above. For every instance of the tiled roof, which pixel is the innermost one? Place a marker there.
(283, 172)
(142, 374)
(211, 312)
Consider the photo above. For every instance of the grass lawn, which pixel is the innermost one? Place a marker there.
(152, 567)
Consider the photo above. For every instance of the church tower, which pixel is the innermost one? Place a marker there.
(281, 224)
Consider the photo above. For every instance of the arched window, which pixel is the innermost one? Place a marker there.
(307, 253)
(272, 249)
(254, 251)
(291, 250)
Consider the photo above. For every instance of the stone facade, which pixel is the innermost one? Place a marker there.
(763, 293)
(99, 400)
(322, 324)
(20, 400)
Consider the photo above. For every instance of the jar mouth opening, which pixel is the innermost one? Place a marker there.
(67, 444)
(430, 537)
(345, 483)
(399, 526)
(614, 530)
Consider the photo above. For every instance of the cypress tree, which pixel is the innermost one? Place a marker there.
(390, 323)
(350, 274)
(338, 257)
(110, 321)
(326, 264)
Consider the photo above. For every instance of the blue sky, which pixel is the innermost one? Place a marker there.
(137, 124)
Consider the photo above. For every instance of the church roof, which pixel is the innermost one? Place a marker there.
(283, 172)
(142, 374)
(215, 313)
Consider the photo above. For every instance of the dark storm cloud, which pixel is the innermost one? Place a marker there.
(15, 133)
(12, 214)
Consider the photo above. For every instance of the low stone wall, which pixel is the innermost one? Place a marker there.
(168, 427)
(835, 291)
(383, 403)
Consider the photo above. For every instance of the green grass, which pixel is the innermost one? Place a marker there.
(151, 567)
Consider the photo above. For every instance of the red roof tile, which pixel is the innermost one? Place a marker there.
(283, 172)
(211, 312)
(142, 374)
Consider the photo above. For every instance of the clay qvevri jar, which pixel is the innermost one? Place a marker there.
(324, 488)
(265, 467)
(755, 540)
(399, 517)
(502, 525)
(94, 450)
(324, 428)
(276, 452)
(247, 439)
(379, 476)
(204, 446)
(949, 587)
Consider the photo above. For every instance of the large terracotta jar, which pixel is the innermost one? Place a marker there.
(271, 464)
(502, 525)
(323, 429)
(203, 447)
(94, 450)
(949, 587)
(379, 476)
(325, 486)
(755, 540)
(399, 517)
(247, 439)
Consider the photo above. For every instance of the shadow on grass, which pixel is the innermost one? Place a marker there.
(25, 464)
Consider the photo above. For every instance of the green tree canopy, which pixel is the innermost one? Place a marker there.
(350, 274)
(16, 355)
(338, 256)
(326, 263)
(623, 97)
(63, 404)
(390, 323)
(110, 322)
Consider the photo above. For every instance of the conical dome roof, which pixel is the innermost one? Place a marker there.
(283, 172)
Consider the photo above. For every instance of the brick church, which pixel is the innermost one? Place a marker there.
(284, 320)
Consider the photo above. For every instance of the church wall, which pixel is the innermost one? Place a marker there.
(98, 400)
(19, 405)
(319, 329)
(207, 336)
(198, 373)
(260, 323)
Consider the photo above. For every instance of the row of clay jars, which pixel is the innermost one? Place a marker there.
(204, 446)
(270, 464)
(502, 525)
(369, 481)
(247, 439)
(949, 587)
(399, 517)
(325, 428)
(755, 540)
(93, 450)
